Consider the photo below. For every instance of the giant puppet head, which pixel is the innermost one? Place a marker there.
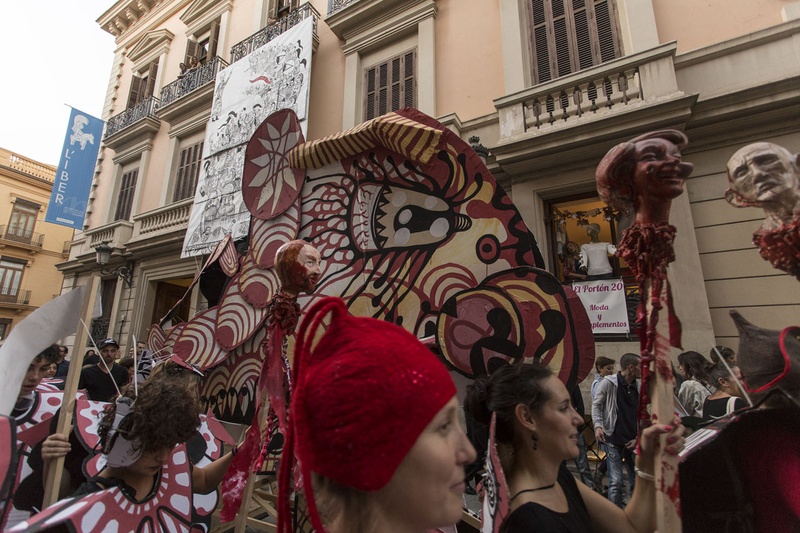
(767, 175)
(412, 228)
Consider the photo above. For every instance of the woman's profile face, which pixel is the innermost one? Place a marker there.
(426, 489)
(557, 423)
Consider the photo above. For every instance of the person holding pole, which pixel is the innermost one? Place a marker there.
(28, 411)
(104, 380)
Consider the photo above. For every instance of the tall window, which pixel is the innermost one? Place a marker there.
(571, 35)
(22, 221)
(11, 271)
(391, 85)
(125, 198)
(188, 170)
(205, 47)
(143, 85)
(282, 7)
(5, 328)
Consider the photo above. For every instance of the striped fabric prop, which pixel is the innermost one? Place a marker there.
(406, 136)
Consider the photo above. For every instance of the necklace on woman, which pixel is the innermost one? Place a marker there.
(532, 490)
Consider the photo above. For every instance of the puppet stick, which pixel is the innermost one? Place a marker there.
(730, 371)
(662, 390)
(135, 367)
(54, 469)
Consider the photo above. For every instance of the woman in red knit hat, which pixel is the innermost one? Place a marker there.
(374, 429)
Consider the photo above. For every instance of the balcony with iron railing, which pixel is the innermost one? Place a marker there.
(272, 30)
(334, 6)
(17, 236)
(98, 330)
(189, 82)
(14, 297)
(141, 119)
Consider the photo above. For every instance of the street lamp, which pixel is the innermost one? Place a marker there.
(103, 255)
(480, 149)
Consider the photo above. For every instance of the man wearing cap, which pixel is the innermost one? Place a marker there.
(99, 380)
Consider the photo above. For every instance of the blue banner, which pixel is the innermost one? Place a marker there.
(75, 170)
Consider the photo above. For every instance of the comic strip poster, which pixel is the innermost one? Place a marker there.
(273, 77)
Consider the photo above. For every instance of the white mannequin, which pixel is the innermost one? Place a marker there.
(594, 254)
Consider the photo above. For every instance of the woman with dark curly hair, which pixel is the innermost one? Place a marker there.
(536, 431)
(138, 435)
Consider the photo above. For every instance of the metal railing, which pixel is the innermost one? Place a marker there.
(12, 233)
(338, 5)
(191, 80)
(15, 297)
(98, 330)
(132, 115)
(272, 30)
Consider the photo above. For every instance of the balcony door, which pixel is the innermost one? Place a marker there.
(11, 271)
(22, 222)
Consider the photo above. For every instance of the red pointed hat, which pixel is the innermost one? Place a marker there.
(362, 396)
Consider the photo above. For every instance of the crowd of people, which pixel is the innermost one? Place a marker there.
(397, 465)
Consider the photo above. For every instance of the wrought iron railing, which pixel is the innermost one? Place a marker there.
(15, 296)
(13, 233)
(191, 80)
(132, 115)
(98, 330)
(269, 32)
(338, 5)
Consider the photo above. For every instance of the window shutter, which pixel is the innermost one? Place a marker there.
(188, 171)
(212, 40)
(370, 83)
(125, 198)
(391, 85)
(571, 35)
(192, 50)
(136, 90)
(151, 80)
(409, 79)
(606, 24)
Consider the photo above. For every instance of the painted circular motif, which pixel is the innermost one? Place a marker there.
(269, 184)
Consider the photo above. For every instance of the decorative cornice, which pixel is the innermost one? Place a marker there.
(153, 44)
(201, 12)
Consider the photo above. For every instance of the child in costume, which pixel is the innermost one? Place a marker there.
(146, 482)
(373, 429)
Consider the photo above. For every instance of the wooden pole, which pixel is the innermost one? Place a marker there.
(54, 469)
(662, 390)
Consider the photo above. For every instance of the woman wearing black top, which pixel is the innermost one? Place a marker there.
(536, 431)
(728, 396)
